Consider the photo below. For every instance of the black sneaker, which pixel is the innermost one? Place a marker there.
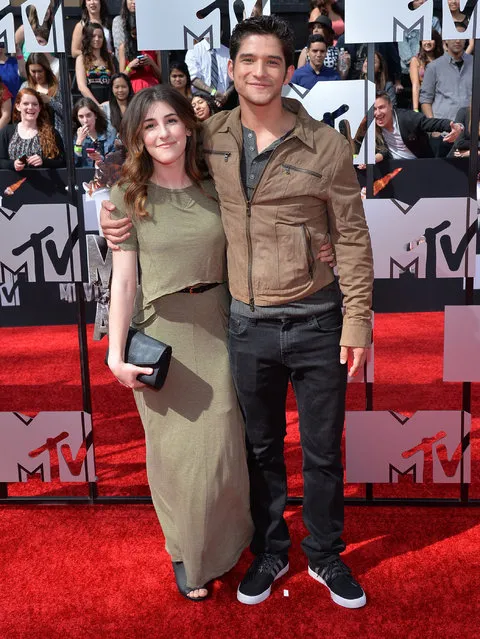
(255, 587)
(344, 590)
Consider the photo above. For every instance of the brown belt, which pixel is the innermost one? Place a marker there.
(199, 288)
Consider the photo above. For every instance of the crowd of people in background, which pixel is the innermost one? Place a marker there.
(432, 78)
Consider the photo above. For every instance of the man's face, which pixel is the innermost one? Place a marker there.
(259, 71)
(317, 53)
(383, 112)
(455, 47)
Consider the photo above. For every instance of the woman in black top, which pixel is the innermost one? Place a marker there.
(31, 141)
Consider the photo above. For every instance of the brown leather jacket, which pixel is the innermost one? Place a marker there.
(308, 189)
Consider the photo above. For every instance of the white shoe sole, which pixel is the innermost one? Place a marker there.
(341, 601)
(256, 599)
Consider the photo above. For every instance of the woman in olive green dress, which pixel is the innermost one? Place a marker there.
(193, 427)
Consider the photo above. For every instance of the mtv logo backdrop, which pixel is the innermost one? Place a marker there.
(381, 21)
(56, 39)
(340, 102)
(50, 445)
(175, 25)
(39, 234)
(431, 238)
(429, 447)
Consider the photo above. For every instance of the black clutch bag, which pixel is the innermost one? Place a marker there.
(143, 350)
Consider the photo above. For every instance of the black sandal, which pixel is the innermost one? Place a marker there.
(181, 579)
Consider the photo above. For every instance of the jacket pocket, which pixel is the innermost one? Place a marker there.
(226, 154)
(307, 240)
(288, 168)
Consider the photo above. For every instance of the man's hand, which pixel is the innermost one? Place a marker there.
(455, 130)
(359, 355)
(114, 231)
(327, 253)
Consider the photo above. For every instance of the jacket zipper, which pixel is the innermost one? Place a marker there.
(289, 167)
(226, 154)
(307, 239)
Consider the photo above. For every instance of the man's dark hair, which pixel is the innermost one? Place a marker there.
(316, 38)
(265, 25)
(384, 95)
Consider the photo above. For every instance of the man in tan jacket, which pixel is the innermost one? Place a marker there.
(284, 182)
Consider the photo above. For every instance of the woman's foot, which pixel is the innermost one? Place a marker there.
(194, 594)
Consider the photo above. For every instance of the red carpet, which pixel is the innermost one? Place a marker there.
(101, 572)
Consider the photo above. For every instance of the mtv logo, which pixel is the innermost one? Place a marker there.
(248, 4)
(52, 444)
(435, 237)
(431, 446)
(9, 283)
(41, 240)
(449, 30)
(340, 102)
(99, 261)
(380, 21)
(175, 25)
(56, 40)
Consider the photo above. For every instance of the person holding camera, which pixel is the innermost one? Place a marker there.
(142, 67)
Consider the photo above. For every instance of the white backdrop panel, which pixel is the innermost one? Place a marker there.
(49, 440)
(461, 350)
(381, 445)
(399, 243)
(169, 25)
(381, 21)
(35, 240)
(350, 99)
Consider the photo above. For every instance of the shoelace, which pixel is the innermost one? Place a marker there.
(333, 570)
(264, 563)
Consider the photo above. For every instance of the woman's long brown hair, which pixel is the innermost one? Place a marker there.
(138, 167)
(42, 60)
(46, 132)
(87, 49)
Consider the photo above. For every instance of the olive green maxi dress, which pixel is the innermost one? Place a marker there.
(194, 431)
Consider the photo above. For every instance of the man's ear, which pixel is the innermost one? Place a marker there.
(289, 74)
(230, 69)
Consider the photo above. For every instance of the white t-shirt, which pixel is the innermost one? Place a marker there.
(396, 145)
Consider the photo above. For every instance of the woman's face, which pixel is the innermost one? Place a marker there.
(87, 117)
(164, 134)
(178, 79)
(29, 108)
(428, 45)
(93, 6)
(376, 65)
(453, 5)
(201, 108)
(318, 30)
(97, 38)
(120, 89)
(37, 73)
(131, 6)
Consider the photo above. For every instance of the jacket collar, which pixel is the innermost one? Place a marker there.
(303, 129)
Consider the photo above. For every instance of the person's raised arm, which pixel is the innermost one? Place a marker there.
(77, 40)
(122, 296)
(82, 79)
(19, 40)
(415, 80)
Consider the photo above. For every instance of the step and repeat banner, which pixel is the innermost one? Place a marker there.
(422, 220)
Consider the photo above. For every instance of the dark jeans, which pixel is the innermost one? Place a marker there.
(265, 354)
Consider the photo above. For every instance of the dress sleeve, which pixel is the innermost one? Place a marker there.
(117, 198)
